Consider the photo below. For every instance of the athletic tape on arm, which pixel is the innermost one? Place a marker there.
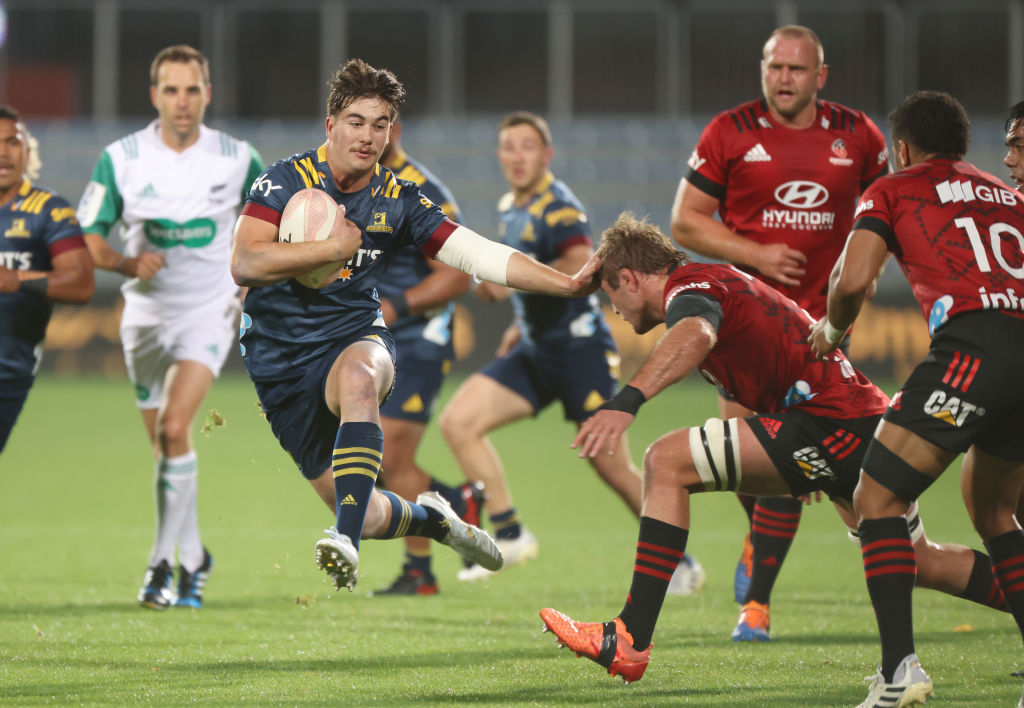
(474, 254)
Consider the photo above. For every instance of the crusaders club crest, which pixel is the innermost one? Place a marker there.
(839, 148)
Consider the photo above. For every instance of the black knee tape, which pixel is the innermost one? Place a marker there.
(894, 473)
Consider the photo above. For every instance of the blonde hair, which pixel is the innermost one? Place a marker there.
(797, 32)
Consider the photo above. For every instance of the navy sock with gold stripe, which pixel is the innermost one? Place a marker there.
(410, 519)
(357, 452)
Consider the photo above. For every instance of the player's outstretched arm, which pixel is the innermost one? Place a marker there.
(694, 227)
(497, 263)
(682, 348)
(257, 258)
(853, 276)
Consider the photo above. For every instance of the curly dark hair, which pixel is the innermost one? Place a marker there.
(356, 79)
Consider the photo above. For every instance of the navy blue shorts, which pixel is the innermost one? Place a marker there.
(12, 399)
(581, 377)
(969, 389)
(418, 381)
(298, 413)
(814, 452)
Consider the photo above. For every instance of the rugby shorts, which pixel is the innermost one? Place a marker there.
(205, 334)
(969, 390)
(814, 452)
(582, 377)
(298, 413)
(418, 382)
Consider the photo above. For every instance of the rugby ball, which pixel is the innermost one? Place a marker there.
(309, 216)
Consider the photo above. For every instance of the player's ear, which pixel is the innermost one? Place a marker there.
(152, 96)
(822, 76)
(329, 125)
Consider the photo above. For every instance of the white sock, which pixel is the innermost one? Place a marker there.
(175, 482)
(190, 548)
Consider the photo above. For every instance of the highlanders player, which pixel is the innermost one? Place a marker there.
(554, 350)
(43, 260)
(416, 294)
(784, 173)
(816, 419)
(958, 234)
(320, 357)
(175, 187)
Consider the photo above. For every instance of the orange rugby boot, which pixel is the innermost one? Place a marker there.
(607, 643)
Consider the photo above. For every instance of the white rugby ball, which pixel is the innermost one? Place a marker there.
(309, 216)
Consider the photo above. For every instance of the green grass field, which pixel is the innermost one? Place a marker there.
(76, 525)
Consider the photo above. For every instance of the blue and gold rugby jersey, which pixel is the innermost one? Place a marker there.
(35, 227)
(287, 326)
(546, 227)
(431, 331)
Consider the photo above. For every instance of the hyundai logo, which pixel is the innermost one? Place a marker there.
(801, 194)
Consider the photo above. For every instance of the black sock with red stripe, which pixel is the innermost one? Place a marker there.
(658, 551)
(771, 533)
(747, 502)
(890, 568)
(982, 586)
(1007, 552)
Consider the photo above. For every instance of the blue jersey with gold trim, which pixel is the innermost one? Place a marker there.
(430, 331)
(287, 326)
(35, 227)
(544, 228)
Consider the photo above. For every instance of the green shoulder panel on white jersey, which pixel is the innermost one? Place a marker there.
(256, 167)
(101, 204)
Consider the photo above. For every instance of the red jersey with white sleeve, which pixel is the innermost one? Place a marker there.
(798, 187)
(958, 234)
(762, 357)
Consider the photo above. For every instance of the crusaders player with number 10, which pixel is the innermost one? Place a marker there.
(958, 234)
(784, 173)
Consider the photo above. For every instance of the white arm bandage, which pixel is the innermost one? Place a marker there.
(474, 254)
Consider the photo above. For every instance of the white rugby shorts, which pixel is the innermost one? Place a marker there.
(205, 334)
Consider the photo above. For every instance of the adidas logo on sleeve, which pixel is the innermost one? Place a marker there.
(757, 154)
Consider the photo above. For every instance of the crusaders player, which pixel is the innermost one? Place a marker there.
(816, 419)
(784, 173)
(958, 234)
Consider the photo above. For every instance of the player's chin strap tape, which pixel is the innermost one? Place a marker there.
(609, 640)
(913, 521)
(472, 253)
(715, 450)
(894, 473)
(628, 400)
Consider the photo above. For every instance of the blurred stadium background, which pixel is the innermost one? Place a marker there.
(627, 84)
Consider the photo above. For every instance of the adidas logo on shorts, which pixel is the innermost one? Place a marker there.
(757, 154)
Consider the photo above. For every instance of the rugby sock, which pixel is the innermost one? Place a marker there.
(174, 481)
(507, 525)
(982, 586)
(452, 495)
(1007, 552)
(747, 502)
(411, 519)
(417, 564)
(190, 546)
(356, 462)
(658, 551)
(772, 530)
(890, 568)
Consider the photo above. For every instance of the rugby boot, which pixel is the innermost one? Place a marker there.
(910, 686)
(337, 556)
(191, 585)
(607, 643)
(156, 593)
(753, 624)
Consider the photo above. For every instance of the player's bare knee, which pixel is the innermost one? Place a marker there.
(173, 431)
(660, 467)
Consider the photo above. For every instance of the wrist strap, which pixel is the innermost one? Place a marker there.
(628, 400)
(832, 334)
(36, 286)
(400, 304)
